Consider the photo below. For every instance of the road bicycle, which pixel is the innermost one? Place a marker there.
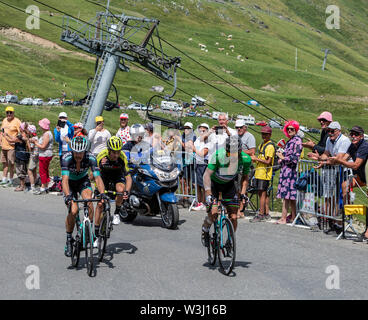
(84, 237)
(106, 225)
(222, 241)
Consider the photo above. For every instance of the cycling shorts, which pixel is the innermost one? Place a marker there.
(228, 191)
(77, 186)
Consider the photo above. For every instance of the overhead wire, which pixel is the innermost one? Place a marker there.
(198, 78)
(217, 75)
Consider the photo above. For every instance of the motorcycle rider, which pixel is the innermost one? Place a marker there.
(137, 148)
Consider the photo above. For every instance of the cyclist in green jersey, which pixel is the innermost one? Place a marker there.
(220, 177)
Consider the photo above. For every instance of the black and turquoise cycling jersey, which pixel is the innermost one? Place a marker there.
(69, 166)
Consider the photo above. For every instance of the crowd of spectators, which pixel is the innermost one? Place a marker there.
(22, 151)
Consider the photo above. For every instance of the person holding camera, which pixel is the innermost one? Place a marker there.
(218, 134)
(63, 134)
(98, 137)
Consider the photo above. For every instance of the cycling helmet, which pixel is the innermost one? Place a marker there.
(136, 130)
(79, 144)
(114, 143)
(233, 143)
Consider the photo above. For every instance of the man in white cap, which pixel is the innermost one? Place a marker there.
(247, 139)
(123, 132)
(337, 146)
(63, 133)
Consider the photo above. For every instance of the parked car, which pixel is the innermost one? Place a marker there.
(11, 98)
(53, 102)
(314, 130)
(37, 102)
(67, 103)
(191, 114)
(26, 101)
(274, 123)
(2, 99)
(135, 106)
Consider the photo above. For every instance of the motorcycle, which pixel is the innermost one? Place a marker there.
(152, 193)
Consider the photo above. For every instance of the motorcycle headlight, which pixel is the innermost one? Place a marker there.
(166, 176)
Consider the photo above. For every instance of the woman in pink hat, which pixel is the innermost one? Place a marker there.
(325, 118)
(44, 145)
(288, 174)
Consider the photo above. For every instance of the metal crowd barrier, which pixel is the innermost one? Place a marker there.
(187, 180)
(325, 192)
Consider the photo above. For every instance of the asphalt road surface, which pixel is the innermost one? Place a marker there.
(146, 261)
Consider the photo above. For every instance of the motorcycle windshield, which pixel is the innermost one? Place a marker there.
(162, 160)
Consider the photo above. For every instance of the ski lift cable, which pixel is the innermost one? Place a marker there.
(185, 92)
(217, 75)
(58, 10)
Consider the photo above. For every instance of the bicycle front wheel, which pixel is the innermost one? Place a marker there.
(103, 238)
(212, 245)
(227, 246)
(89, 247)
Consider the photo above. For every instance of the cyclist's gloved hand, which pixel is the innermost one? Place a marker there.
(67, 199)
(244, 197)
(209, 200)
(104, 196)
(126, 195)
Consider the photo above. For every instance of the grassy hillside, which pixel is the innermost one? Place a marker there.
(265, 33)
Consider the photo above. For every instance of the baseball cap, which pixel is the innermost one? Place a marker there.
(204, 125)
(266, 129)
(334, 125)
(239, 123)
(10, 109)
(78, 125)
(63, 114)
(325, 115)
(188, 124)
(99, 119)
(124, 116)
(357, 129)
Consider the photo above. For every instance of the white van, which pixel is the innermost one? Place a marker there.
(169, 105)
(11, 99)
(249, 120)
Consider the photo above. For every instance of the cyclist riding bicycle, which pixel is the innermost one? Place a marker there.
(74, 171)
(219, 177)
(114, 169)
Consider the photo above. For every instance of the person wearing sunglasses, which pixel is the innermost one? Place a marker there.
(10, 128)
(325, 118)
(124, 130)
(63, 133)
(337, 146)
(356, 159)
(99, 136)
(289, 158)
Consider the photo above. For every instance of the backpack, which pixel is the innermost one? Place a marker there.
(276, 165)
(57, 185)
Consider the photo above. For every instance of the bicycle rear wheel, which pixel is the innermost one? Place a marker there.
(76, 245)
(212, 245)
(103, 238)
(227, 246)
(89, 247)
